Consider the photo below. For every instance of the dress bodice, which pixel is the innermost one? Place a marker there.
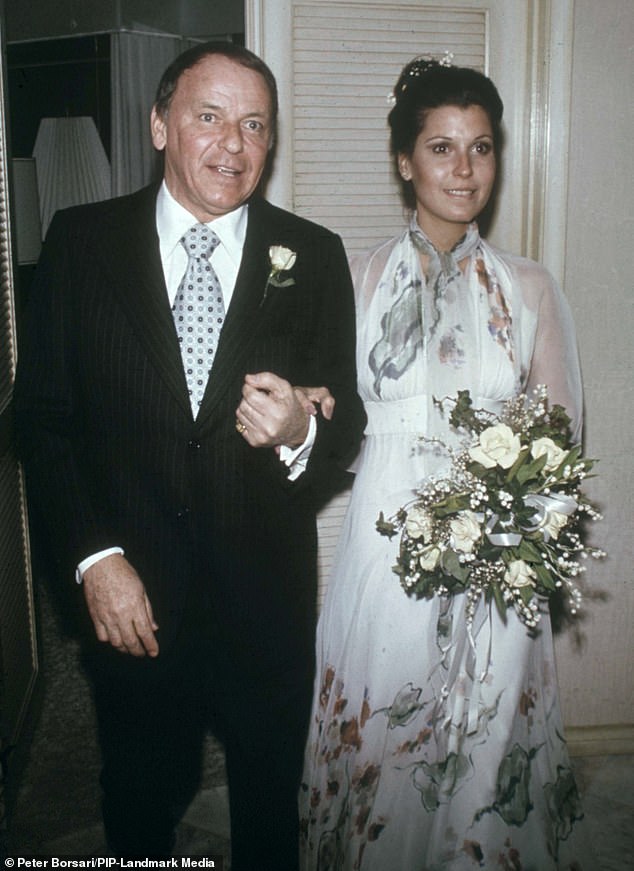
(502, 328)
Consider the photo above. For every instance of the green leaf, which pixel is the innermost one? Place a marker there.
(499, 600)
(519, 462)
(531, 470)
(569, 460)
(545, 578)
(528, 552)
(452, 504)
(479, 470)
(462, 415)
(385, 527)
(560, 420)
(451, 565)
(527, 593)
(276, 281)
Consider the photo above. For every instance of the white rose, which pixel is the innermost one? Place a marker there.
(519, 574)
(465, 531)
(428, 560)
(553, 523)
(281, 258)
(419, 523)
(498, 445)
(555, 455)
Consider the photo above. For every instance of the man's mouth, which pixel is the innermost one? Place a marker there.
(226, 170)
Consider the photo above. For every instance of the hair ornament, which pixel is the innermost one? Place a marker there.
(418, 67)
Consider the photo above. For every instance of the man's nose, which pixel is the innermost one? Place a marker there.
(231, 138)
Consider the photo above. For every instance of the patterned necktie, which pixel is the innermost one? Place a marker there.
(198, 311)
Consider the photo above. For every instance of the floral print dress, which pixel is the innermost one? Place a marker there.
(432, 748)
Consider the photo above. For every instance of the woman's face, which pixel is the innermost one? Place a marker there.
(452, 170)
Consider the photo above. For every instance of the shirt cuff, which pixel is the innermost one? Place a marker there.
(91, 560)
(297, 458)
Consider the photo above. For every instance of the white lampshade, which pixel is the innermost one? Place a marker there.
(72, 166)
(26, 210)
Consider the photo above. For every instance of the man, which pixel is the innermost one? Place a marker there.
(189, 508)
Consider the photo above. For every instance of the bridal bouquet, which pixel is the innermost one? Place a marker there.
(506, 520)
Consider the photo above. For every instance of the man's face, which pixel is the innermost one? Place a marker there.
(216, 135)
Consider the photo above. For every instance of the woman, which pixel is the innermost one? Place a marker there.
(425, 752)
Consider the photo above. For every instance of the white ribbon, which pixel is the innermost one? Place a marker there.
(501, 539)
(467, 664)
(544, 505)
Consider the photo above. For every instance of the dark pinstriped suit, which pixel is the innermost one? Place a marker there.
(224, 543)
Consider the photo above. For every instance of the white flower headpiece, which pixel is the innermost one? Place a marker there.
(421, 65)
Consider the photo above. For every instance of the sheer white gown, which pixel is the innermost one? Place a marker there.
(425, 753)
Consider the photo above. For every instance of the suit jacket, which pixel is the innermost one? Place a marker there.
(114, 457)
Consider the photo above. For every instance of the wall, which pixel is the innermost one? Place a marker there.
(597, 681)
(47, 18)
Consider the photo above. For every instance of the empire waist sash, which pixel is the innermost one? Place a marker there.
(412, 414)
(397, 415)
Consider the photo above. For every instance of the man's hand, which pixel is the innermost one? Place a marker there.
(311, 397)
(271, 412)
(119, 607)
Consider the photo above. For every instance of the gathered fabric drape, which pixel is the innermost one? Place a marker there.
(137, 63)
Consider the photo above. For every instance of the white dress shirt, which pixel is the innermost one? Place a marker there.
(172, 222)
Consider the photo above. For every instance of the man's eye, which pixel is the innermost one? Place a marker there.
(254, 126)
(207, 116)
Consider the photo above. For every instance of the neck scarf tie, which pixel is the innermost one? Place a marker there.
(415, 312)
(198, 311)
(442, 268)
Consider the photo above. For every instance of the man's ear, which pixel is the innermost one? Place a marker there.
(158, 130)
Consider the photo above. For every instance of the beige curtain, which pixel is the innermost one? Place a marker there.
(137, 63)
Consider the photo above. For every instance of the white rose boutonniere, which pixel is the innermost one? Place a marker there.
(282, 260)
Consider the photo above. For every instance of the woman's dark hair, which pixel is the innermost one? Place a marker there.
(194, 55)
(427, 84)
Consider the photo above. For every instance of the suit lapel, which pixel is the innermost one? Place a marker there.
(139, 282)
(245, 315)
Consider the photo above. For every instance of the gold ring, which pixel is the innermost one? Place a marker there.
(240, 427)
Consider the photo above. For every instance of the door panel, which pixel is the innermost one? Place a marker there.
(18, 654)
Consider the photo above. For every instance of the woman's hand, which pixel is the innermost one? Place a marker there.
(311, 397)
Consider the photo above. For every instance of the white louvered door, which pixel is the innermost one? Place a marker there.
(343, 174)
(336, 61)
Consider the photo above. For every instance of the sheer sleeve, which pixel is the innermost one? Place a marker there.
(366, 270)
(553, 358)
